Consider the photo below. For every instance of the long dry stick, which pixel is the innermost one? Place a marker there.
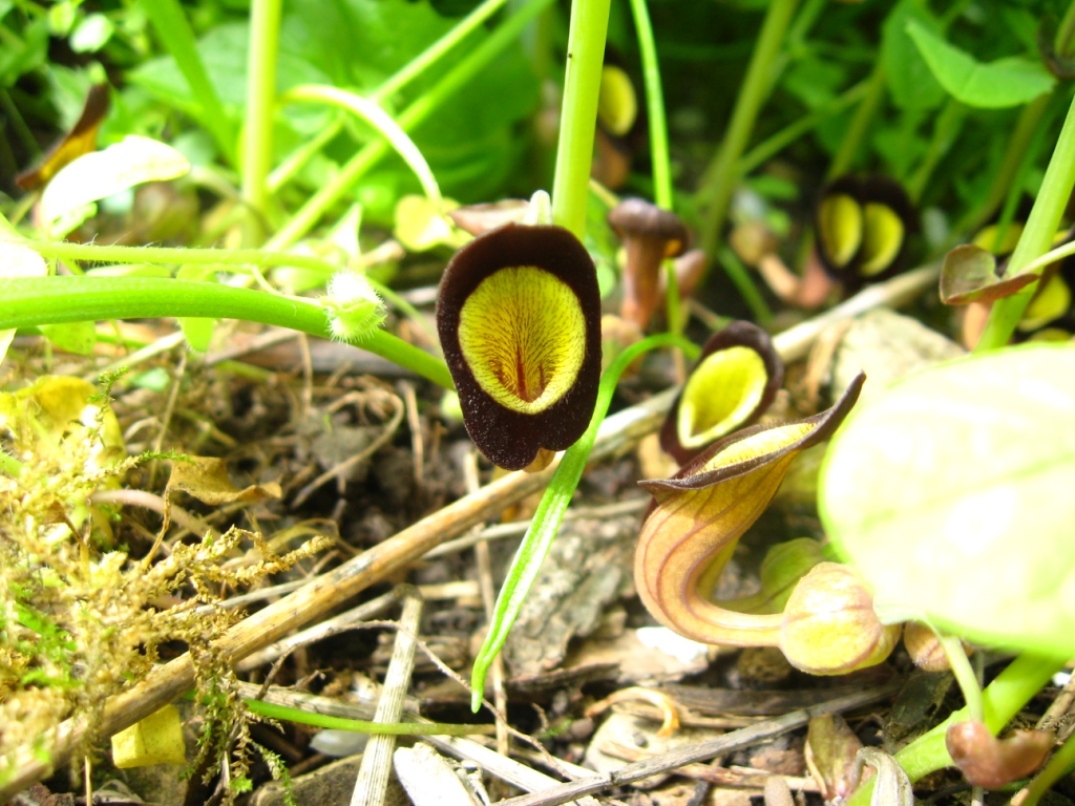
(702, 751)
(619, 433)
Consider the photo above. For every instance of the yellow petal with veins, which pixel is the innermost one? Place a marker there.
(523, 335)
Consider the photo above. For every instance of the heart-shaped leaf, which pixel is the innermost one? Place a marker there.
(952, 493)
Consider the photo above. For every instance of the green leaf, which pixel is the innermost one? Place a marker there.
(951, 492)
(74, 337)
(910, 82)
(969, 275)
(1006, 82)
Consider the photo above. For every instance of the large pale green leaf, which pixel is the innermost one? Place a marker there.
(1003, 83)
(954, 493)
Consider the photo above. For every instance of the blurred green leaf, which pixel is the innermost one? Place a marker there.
(1005, 82)
(92, 34)
(74, 337)
(951, 493)
(910, 82)
(24, 51)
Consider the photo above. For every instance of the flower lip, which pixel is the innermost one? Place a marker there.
(738, 334)
(693, 475)
(524, 348)
(863, 225)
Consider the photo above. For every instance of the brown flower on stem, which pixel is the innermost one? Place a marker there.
(649, 235)
(734, 381)
(862, 226)
(518, 315)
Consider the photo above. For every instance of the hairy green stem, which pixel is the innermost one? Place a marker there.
(578, 114)
(308, 215)
(163, 255)
(35, 301)
(1041, 227)
(550, 513)
(722, 176)
(260, 105)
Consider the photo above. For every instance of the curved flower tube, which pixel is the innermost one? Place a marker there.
(518, 315)
(698, 516)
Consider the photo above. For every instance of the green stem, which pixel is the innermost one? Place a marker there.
(550, 513)
(174, 32)
(380, 120)
(260, 104)
(1003, 698)
(659, 153)
(1065, 32)
(945, 130)
(658, 124)
(424, 106)
(578, 114)
(301, 156)
(431, 55)
(1018, 147)
(161, 255)
(964, 675)
(1059, 765)
(769, 148)
(722, 176)
(1041, 227)
(864, 117)
(34, 301)
(740, 277)
(303, 717)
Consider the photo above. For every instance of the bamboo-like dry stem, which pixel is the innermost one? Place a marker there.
(372, 783)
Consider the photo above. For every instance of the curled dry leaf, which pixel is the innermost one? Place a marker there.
(206, 478)
(969, 274)
(831, 751)
(519, 320)
(82, 139)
